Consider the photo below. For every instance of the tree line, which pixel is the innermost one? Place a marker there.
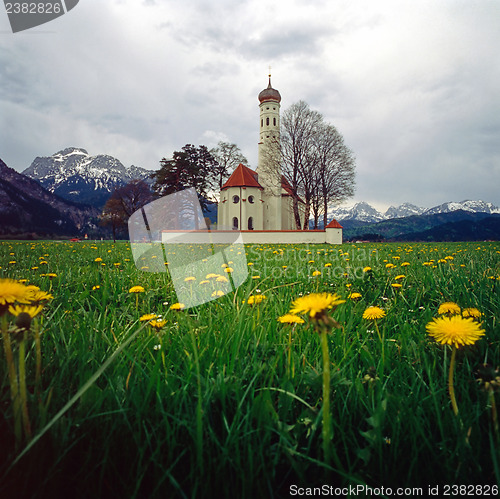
(311, 155)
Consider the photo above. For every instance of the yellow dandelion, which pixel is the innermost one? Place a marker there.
(253, 300)
(95, 287)
(31, 310)
(147, 317)
(228, 270)
(204, 282)
(98, 259)
(136, 289)
(398, 277)
(367, 269)
(372, 313)
(290, 319)
(449, 308)
(157, 324)
(315, 303)
(211, 276)
(455, 330)
(354, 296)
(177, 306)
(217, 294)
(221, 278)
(328, 264)
(396, 285)
(37, 295)
(316, 273)
(471, 312)
(190, 278)
(13, 291)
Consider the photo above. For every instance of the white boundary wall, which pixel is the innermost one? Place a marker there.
(330, 236)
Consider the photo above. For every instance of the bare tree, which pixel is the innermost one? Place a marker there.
(313, 158)
(334, 172)
(123, 202)
(113, 216)
(228, 157)
(299, 127)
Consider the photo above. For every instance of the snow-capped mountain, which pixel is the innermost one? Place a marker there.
(75, 175)
(472, 206)
(363, 212)
(404, 210)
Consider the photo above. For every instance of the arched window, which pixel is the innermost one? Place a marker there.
(235, 223)
(250, 223)
(267, 121)
(236, 199)
(261, 123)
(251, 199)
(274, 121)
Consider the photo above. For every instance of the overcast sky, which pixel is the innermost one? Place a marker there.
(413, 86)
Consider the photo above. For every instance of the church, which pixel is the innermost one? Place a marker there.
(260, 199)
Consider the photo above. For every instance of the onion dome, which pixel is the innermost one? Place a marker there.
(269, 94)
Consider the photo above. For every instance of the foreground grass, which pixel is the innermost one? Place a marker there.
(225, 401)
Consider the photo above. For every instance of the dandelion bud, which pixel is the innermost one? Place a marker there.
(23, 320)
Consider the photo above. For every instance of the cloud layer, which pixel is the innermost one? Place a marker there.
(412, 86)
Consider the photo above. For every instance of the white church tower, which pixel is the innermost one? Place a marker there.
(268, 171)
(260, 199)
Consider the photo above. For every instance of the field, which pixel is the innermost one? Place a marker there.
(223, 400)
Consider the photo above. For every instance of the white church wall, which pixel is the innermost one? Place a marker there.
(330, 236)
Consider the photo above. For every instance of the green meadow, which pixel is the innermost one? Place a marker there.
(223, 400)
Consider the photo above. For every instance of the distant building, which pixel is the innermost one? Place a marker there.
(261, 199)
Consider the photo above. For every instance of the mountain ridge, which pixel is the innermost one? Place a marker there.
(75, 175)
(364, 212)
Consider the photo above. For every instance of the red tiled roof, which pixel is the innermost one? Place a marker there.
(246, 177)
(334, 225)
(242, 177)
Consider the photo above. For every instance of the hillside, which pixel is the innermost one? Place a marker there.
(26, 208)
(450, 226)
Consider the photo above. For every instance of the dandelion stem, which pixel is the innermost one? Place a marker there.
(494, 415)
(382, 342)
(22, 386)
(199, 409)
(38, 357)
(327, 419)
(451, 389)
(14, 385)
